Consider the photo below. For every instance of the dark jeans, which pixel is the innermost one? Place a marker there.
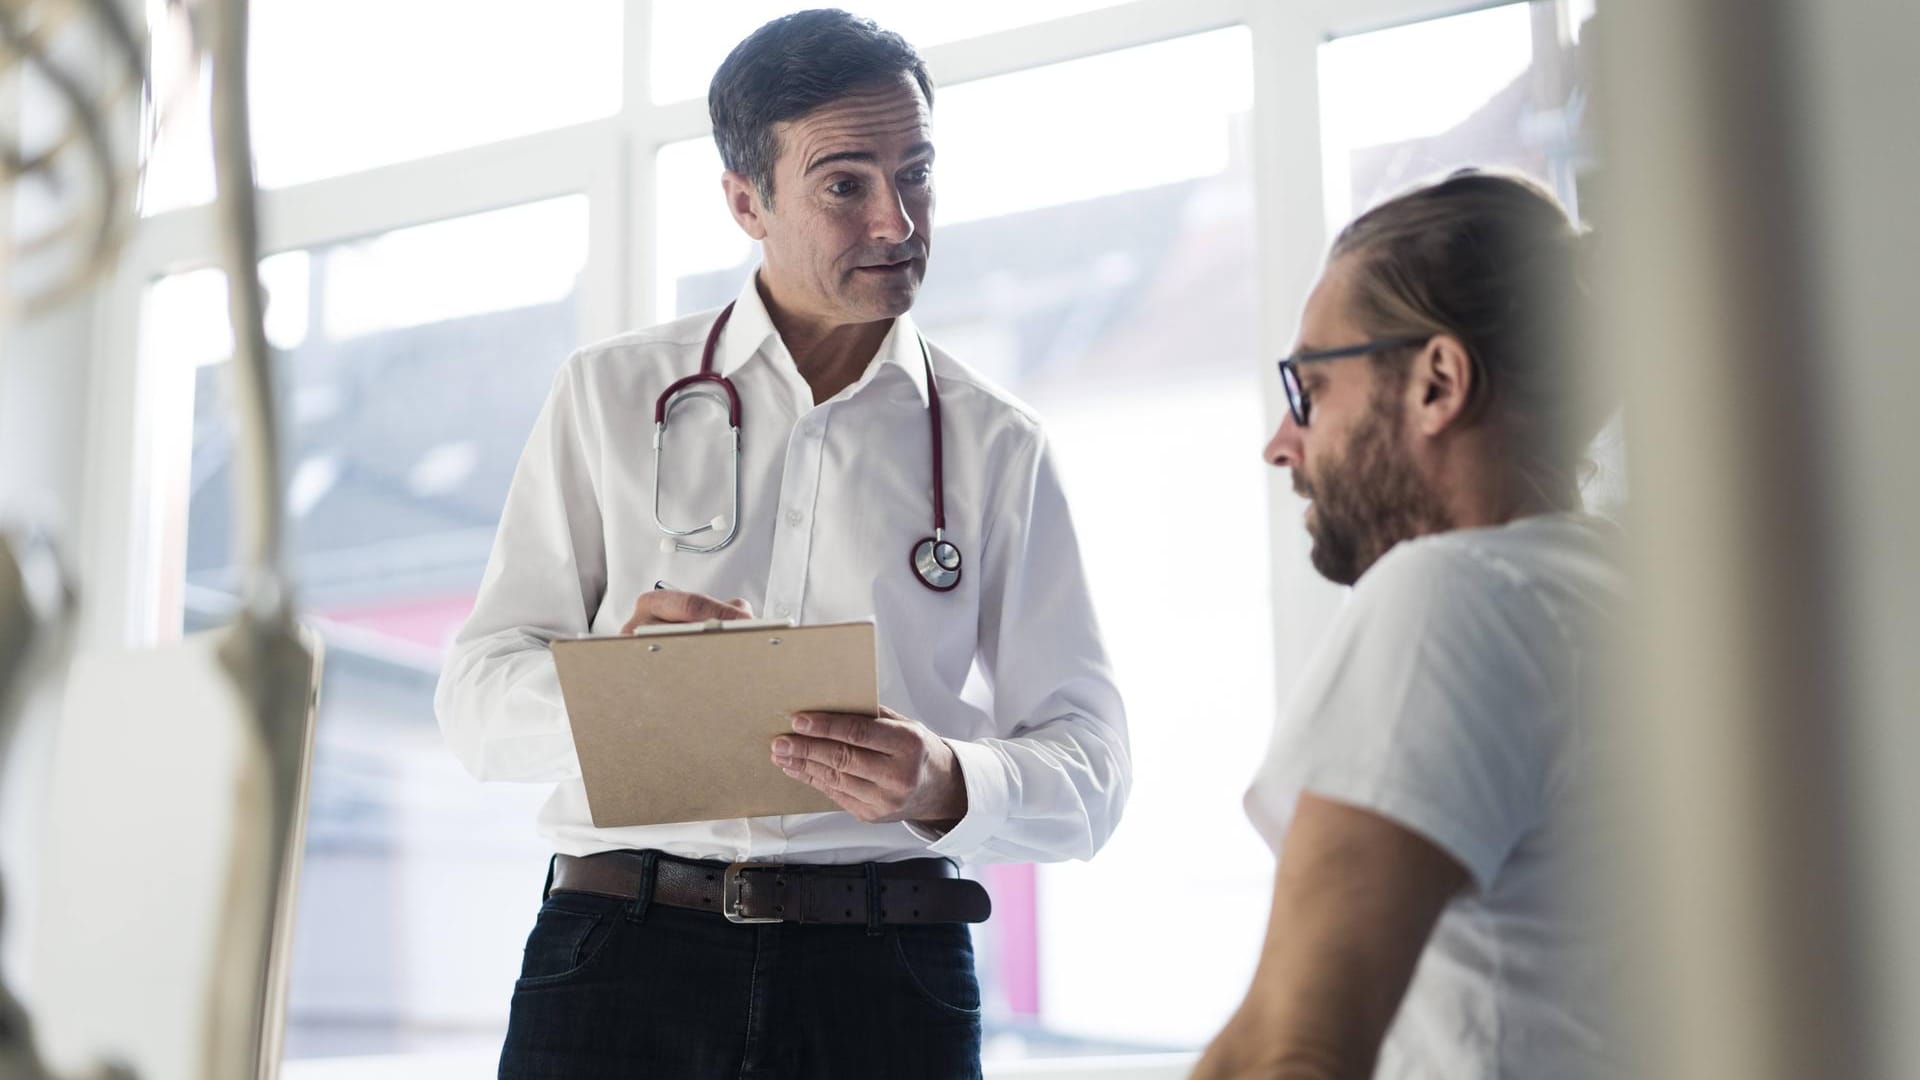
(615, 988)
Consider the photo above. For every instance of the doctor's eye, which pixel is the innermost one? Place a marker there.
(841, 189)
(918, 177)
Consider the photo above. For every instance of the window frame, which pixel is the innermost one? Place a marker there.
(135, 488)
(140, 419)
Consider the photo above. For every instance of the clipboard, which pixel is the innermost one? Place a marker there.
(676, 723)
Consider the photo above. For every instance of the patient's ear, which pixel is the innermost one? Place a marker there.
(1441, 384)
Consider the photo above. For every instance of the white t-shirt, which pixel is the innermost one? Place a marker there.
(1450, 697)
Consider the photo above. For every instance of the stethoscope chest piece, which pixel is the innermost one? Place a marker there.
(937, 562)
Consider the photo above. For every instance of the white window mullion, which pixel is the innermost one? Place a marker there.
(642, 257)
(644, 129)
(1340, 18)
(636, 83)
(523, 170)
(1076, 37)
(672, 122)
(1289, 211)
(605, 292)
(492, 177)
(134, 502)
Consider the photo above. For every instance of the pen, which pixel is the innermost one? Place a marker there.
(664, 585)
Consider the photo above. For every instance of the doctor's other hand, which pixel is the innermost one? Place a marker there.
(666, 606)
(877, 768)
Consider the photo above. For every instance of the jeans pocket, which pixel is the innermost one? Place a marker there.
(938, 961)
(564, 942)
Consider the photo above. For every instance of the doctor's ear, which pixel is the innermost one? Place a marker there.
(1442, 383)
(743, 201)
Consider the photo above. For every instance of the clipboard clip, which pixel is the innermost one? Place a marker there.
(671, 629)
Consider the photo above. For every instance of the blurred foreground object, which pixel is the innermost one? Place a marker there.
(1759, 292)
(36, 607)
(79, 69)
(170, 952)
(72, 76)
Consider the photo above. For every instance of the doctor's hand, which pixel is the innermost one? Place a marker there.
(666, 606)
(877, 768)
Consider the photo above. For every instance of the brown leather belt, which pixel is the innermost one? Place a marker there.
(904, 892)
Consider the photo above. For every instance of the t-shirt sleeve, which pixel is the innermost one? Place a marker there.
(1430, 703)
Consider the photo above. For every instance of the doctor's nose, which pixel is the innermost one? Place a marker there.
(891, 224)
(1283, 450)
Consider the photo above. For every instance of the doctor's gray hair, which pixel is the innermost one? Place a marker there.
(1492, 260)
(792, 66)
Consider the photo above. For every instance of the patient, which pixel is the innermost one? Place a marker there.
(1425, 785)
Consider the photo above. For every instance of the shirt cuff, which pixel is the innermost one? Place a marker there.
(989, 802)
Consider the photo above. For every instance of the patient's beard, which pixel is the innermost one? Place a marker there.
(1369, 498)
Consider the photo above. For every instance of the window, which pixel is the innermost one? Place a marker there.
(1498, 87)
(412, 365)
(348, 85)
(1104, 251)
(1094, 255)
(691, 37)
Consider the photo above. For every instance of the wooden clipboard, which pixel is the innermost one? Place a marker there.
(677, 723)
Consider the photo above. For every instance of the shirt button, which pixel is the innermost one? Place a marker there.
(795, 518)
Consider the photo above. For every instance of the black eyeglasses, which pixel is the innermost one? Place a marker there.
(1297, 399)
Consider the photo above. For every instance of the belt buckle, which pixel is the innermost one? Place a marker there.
(730, 891)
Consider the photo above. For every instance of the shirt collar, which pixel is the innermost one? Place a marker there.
(750, 329)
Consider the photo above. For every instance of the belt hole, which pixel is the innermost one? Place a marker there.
(709, 877)
(778, 910)
(916, 888)
(916, 913)
(883, 913)
(849, 913)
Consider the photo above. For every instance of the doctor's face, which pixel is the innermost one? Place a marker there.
(1353, 461)
(847, 237)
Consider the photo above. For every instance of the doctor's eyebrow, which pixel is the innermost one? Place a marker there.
(924, 149)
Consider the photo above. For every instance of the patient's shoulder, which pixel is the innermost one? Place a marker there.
(1486, 623)
(1549, 567)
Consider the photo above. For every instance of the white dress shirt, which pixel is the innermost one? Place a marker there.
(833, 498)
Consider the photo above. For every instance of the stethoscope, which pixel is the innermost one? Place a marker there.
(935, 560)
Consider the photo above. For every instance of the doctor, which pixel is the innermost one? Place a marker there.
(858, 444)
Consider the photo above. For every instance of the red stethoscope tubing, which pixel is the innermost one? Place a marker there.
(935, 560)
